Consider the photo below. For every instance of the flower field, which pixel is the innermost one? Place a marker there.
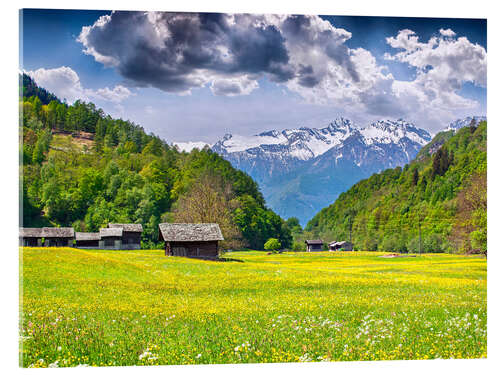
(106, 308)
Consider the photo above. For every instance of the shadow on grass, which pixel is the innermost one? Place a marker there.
(229, 260)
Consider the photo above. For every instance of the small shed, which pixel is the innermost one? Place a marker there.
(87, 240)
(342, 245)
(131, 237)
(30, 237)
(314, 245)
(191, 240)
(58, 237)
(110, 238)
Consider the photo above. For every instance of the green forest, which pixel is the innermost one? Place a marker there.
(79, 167)
(436, 203)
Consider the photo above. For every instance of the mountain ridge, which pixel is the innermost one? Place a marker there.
(332, 157)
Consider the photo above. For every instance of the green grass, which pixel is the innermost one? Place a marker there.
(102, 308)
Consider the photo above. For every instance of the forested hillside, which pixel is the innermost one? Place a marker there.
(82, 168)
(435, 203)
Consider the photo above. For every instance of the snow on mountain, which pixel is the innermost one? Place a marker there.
(387, 131)
(302, 143)
(189, 146)
(308, 143)
(460, 123)
(304, 169)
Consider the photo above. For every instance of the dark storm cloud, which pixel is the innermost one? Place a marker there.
(168, 50)
(179, 51)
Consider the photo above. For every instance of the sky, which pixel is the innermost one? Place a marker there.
(195, 77)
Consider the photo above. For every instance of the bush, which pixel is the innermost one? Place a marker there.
(272, 244)
(298, 246)
(432, 243)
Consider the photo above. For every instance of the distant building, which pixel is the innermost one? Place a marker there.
(58, 237)
(314, 245)
(110, 238)
(342, 245)
(30, 237)
(191, 240)
(87, 240)
(131, 237)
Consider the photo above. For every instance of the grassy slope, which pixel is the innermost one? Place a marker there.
(126, 308)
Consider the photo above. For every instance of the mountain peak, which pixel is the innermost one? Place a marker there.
(340, 123)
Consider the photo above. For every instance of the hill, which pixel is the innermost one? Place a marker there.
(435, 203)
(84, 169)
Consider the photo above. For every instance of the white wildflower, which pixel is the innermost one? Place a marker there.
(305, 358)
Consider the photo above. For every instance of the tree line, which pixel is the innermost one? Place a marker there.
(126, 175)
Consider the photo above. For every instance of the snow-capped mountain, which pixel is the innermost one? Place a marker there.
(460, 123)
(303, 170)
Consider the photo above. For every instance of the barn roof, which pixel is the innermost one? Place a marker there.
(111, 232)
(30, 232)
(182, 232)
(314, 242)
(127, 227)
(84, 236)
(58, 232)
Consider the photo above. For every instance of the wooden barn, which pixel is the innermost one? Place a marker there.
(30, 237)
(191, 240)
(131, 237)
(110, 238)
(87, 240)
(340, 246)
(58, 237)
(314, 245)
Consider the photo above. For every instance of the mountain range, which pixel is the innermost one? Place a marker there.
(303, 170)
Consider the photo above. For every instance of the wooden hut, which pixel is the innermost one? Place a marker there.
(30, 237)
(131, 237)
(87, 240)
(314, 245)
(342, 245)
(58, 237)
(191, 240)
(110, 238)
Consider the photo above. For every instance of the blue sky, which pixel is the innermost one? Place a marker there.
(194, 78)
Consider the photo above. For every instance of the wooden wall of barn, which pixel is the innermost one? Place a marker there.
(131, 240)
(204, 249)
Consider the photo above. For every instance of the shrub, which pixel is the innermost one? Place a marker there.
(298, 246)
(272, 244)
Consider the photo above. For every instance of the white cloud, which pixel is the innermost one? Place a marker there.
(65, 83)
(443, 65)
(233, 86)
(447, 32)
(115, 95)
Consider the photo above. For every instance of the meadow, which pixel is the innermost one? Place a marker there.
(106, 308)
